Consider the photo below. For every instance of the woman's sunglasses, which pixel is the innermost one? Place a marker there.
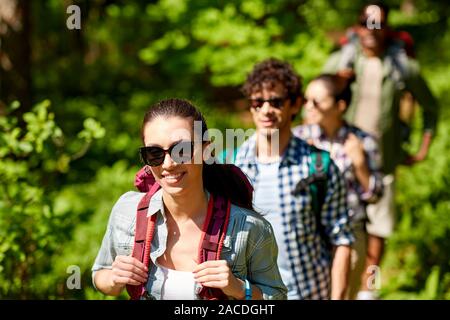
(276, 103)
(315, 103)
(180, 152)
(318, 104)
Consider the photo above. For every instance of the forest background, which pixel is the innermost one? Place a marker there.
(72, 102)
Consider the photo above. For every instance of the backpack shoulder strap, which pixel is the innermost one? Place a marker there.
(143, 236)
(348, 55)
(213, 235)
(216, 225)
(144, 180)
(320, 163)
(228, 156)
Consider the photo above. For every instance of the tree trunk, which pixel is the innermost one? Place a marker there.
(15, 54)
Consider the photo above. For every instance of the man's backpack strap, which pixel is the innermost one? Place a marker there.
(320, 162)
(211, 242)
(228, 156)
(317, 182)
(144, 230)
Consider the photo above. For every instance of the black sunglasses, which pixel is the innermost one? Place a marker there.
(180, 152)
(276, 102)
(316, 103)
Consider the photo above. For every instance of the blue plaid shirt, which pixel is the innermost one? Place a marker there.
(309, 258)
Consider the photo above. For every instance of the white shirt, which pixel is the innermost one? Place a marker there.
(267, 202)
(177, 285)
(369, 105)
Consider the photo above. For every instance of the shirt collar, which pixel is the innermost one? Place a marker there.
(342, 132)
(156, 204)
(318, 133)
(290, 155)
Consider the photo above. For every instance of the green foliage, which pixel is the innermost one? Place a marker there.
(417, 264)
(419, 251)
(225, 39)
(97, 198)
(31, 159)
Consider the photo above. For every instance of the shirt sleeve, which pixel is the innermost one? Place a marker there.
(335, 217)
(373, 159)
(301, 132)
(119, 222)
(263, 269)
(331, 65)
(416, 84)
(106, 254)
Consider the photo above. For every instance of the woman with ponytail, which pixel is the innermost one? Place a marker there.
(355, 152)
(176, 158)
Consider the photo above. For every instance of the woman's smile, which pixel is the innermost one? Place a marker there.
(173, 178)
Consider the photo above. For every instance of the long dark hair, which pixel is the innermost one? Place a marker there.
(222, 179)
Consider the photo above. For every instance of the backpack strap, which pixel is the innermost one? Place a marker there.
(143, 236)
(213, 235)
(228, 156)
(317, 182)
(144, 179)
(320, 162)
(348, 53)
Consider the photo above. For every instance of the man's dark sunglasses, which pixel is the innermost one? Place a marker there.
(276, 102)
(180, 152)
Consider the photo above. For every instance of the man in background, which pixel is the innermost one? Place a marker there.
(384, 72)
(313, 246)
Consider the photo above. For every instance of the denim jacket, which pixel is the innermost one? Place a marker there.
(249, 245)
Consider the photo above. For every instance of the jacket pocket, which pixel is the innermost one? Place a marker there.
(124, 249)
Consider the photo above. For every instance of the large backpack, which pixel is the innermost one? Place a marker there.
(213, 233)
(401, 37)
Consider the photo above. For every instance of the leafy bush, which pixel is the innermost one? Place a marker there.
(32, 159)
